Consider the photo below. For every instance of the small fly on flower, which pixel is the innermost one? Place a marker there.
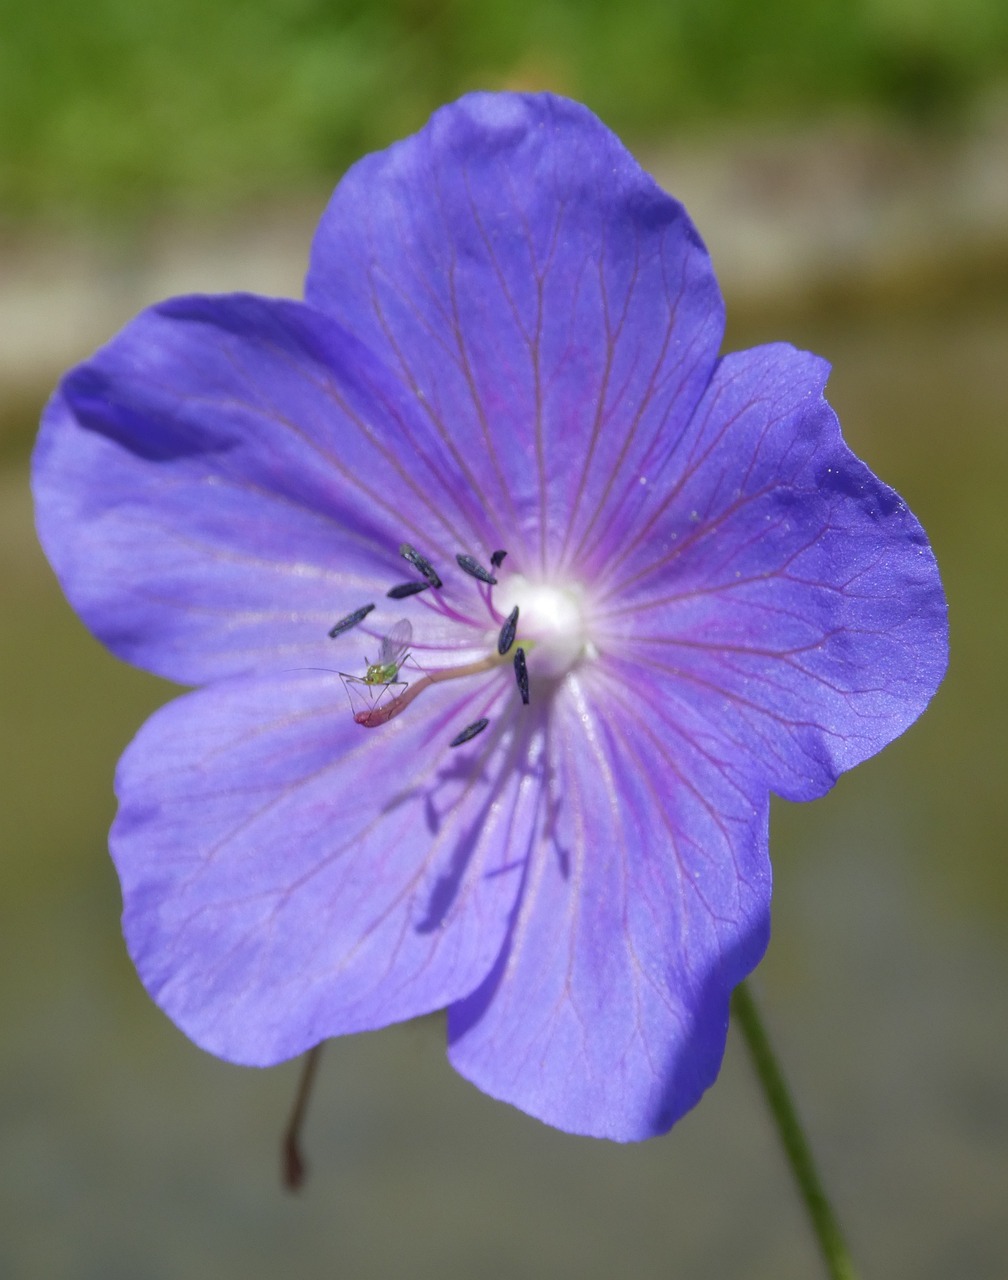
(380, 683)
(392, 653)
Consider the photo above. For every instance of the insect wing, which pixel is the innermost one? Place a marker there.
(394, 645)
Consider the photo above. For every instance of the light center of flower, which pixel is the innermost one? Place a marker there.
(553, 626)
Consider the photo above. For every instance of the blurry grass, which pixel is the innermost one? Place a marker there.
(110, 108)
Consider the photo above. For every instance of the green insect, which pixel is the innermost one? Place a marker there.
(392, 652)
(380, 681)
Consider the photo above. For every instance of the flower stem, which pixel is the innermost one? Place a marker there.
(293, 1164)
(793, 1140)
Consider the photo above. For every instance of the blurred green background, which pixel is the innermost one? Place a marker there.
(108, 106)
(844, 162)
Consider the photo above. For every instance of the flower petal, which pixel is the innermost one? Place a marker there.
(645, 902)
(781, 592)
(227, 478)
(554, 311)
(288, 875)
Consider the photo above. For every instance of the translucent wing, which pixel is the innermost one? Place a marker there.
(394, 645)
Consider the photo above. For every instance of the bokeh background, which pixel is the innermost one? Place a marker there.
(847, 163)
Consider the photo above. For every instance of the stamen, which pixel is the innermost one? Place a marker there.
(521, 675)
(507, 632)
(475, 569)
(405, 589)
(421, 563)
(497, 559)
(469, 732)
(350, 620)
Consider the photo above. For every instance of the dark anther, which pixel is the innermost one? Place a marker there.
(420, 563)
(497, 559)
(507, 632)
(350, 620)
(521, 674)
(405, 589)
(475, 569)
(469, 732)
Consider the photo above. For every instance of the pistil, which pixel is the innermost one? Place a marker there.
(381, 715)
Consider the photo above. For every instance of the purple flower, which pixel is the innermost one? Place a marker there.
(509, 344)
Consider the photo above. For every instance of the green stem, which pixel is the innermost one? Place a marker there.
(796, 1147)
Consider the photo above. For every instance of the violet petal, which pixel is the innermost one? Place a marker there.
(644, 903)
(288, 875)
(553, 310)
(226, 477)
(779, 589)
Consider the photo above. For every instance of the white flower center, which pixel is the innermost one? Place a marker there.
(551, 623)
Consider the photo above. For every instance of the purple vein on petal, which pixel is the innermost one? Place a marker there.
(507, 785)
(270, 409)
(539, 271)
(460, 359)
(234, 555)
(441, 842)
(564, 991)
(490, 439)
(541, 274)
(476, 502)
(619, 687)
(702, 448)
(608, 506)
(713, 568)
(472, 387)
(616, 586)
(600, 416)
(612, 338)
(537, 870)
(473, 499)
(659, 449)
(770, 747)
(629, 745)
(628, 734)
(390, 457)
